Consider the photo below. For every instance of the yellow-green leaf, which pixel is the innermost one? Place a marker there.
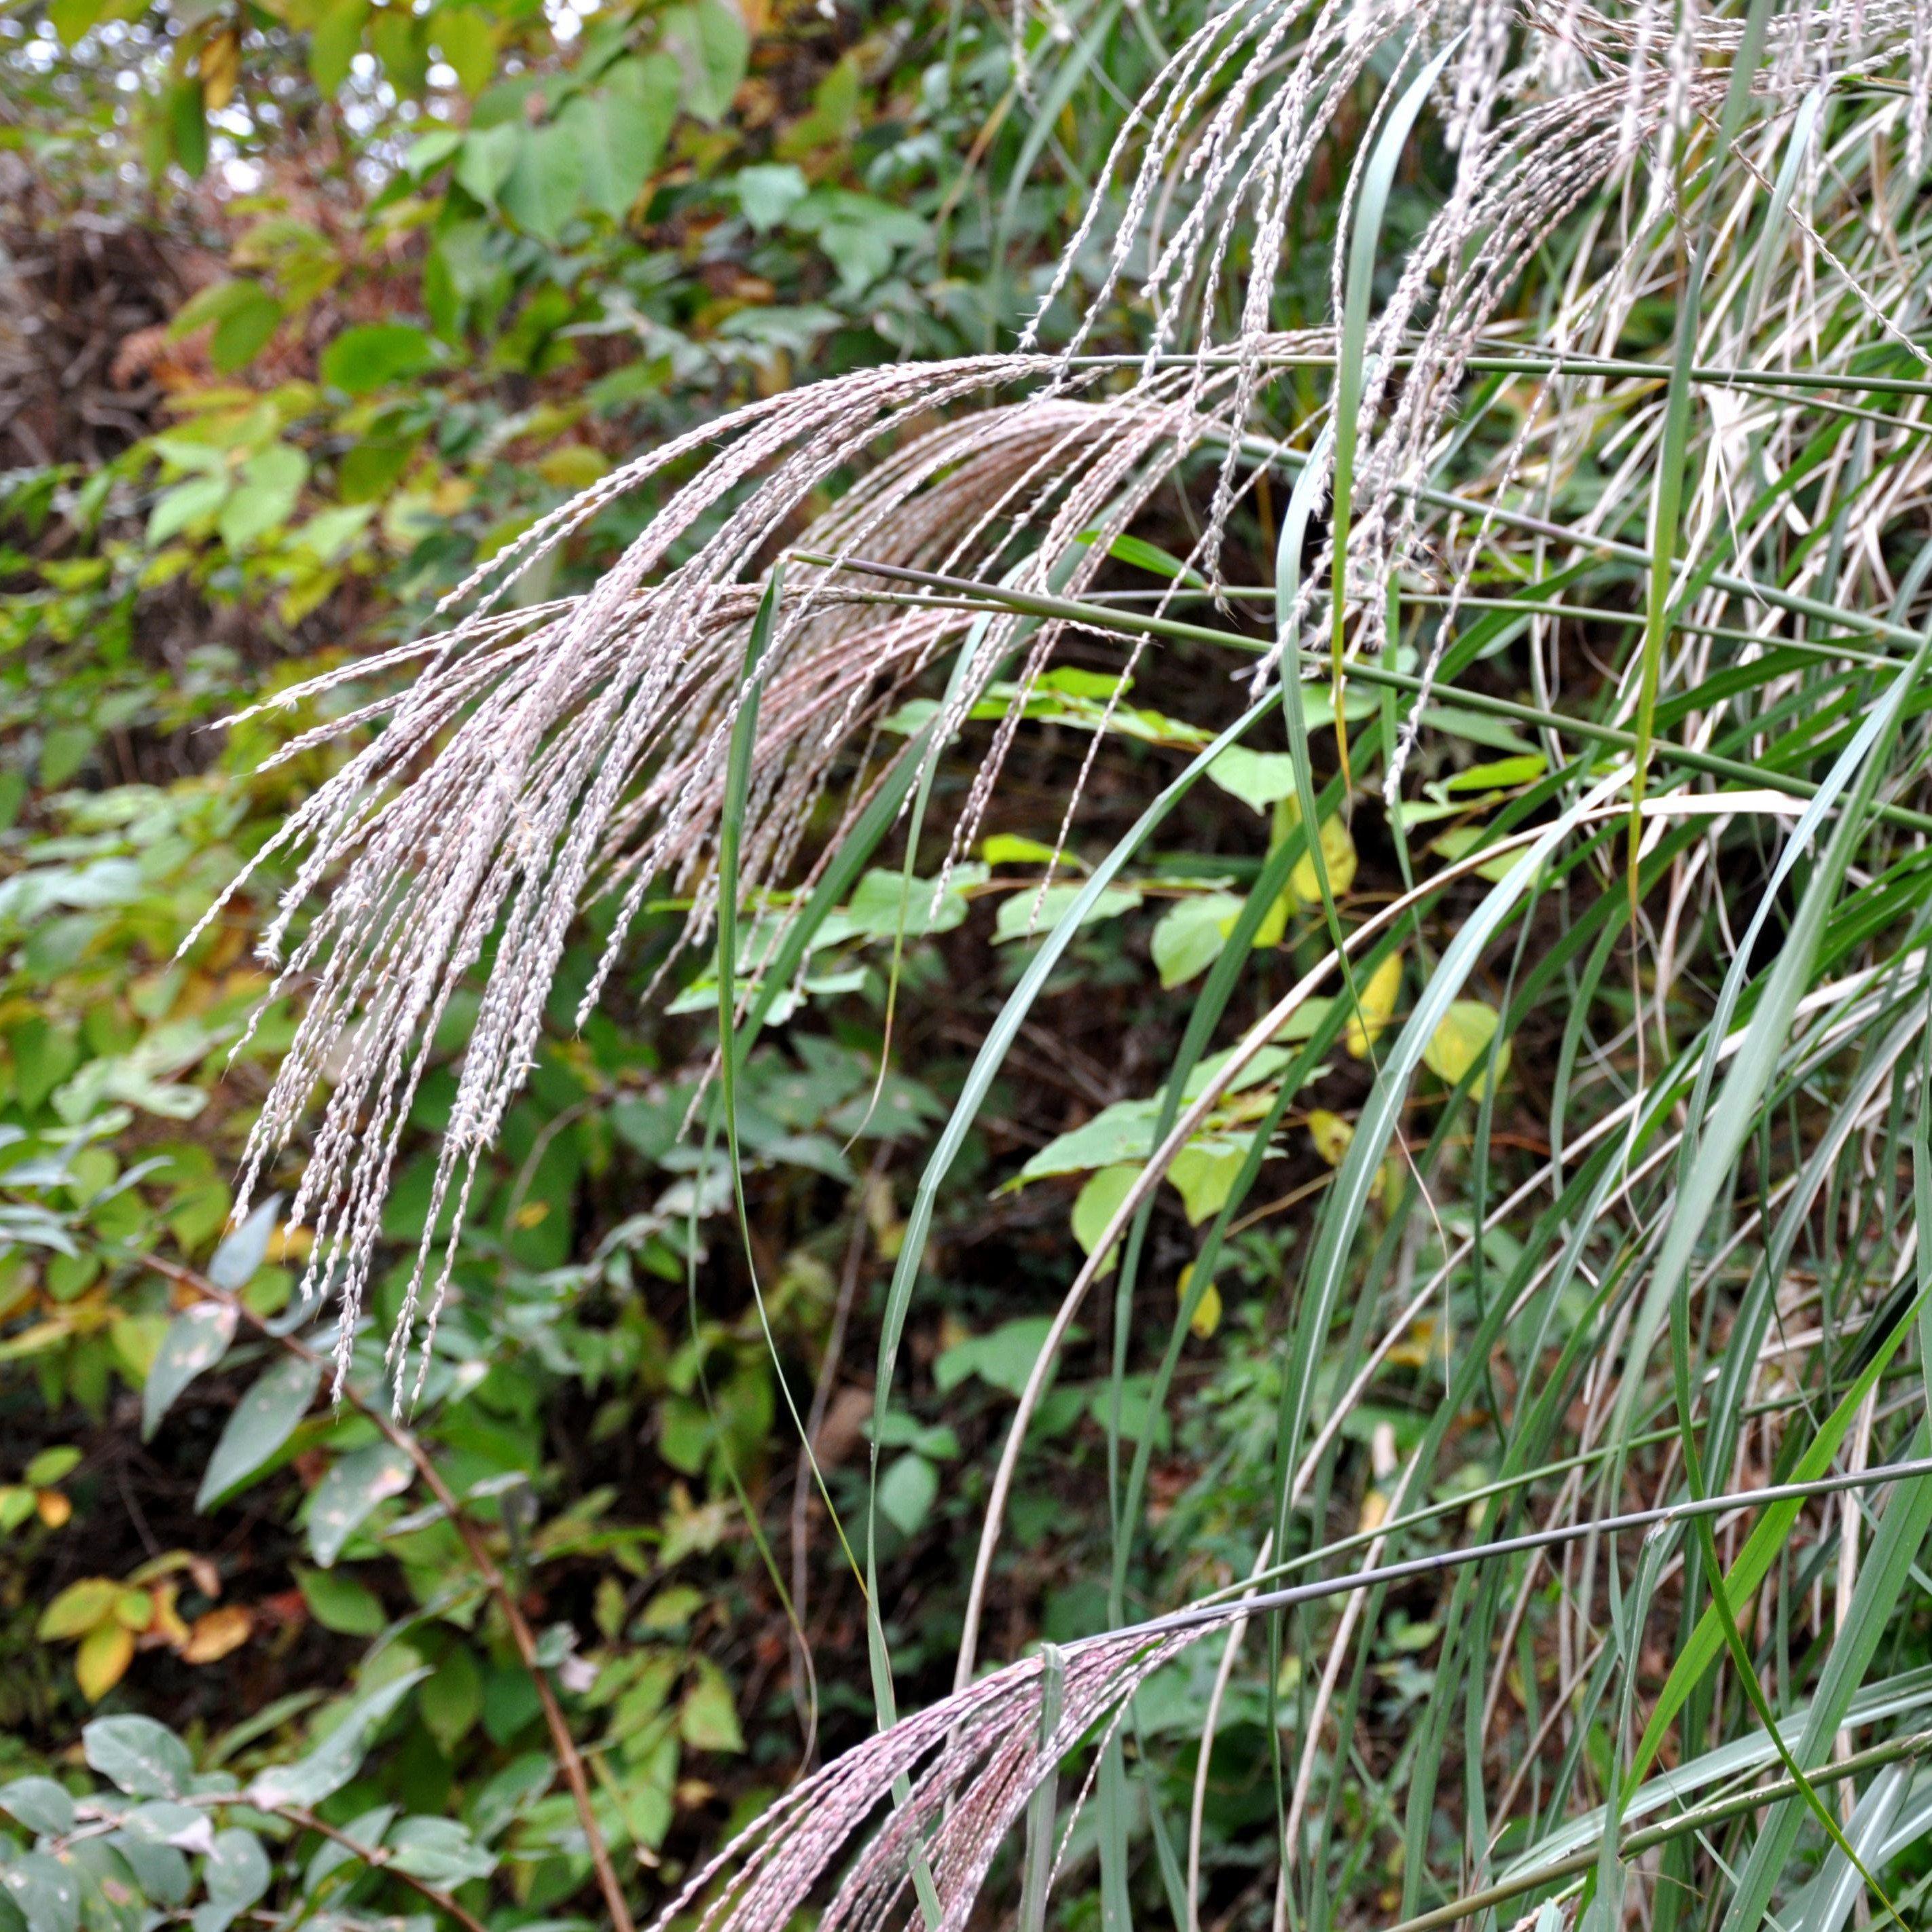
(706, 1718)
(1207, 1315)
(1009, 848)
(1095, 1205)
(466, 41)
(1205, 1175)
(576, 465)
(104, 1655)
(134, 1610)
(1191, 933)
(1375, 1006)
(1338, 853)
(1524, 769)
(1331, 1134)
(1462, 1038)
(78, 1608)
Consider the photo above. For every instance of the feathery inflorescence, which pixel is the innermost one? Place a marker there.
(533, 759)
(538, 757)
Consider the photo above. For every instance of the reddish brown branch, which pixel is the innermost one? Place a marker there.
(569, 1758)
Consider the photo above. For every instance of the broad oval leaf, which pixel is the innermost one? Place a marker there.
(263, 1421)
(544, 186)
(1206, 1317)
(46, 1892)
(186, 503)
(1205, 1170)
(143, 1758)
(1339, 857)
(242, 1249)
(161, 1870)
(346, 1495)
(271, 487)
(1190, 935)
(1258, 778)
(52, 1465)
(236, 1873)
(78, 1608)
(620, 129)
(196, 1340)
(374, 354)
(1003, 1357)
(338, 1757)
(1123, 1131)
(1097, 1203)
(1018, 919)
(1331, 1134)
(337, 1602)
(162, 1821)
(332, 1855)
(908, 1491)
(440, 1850)
(103, 1659)
(485, 159)
(707, 1719)
(39, 1804)
(711, 47)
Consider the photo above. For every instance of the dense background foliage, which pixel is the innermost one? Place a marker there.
(309, 306)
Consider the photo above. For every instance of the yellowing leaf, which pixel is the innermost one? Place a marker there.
(220, 64)
(882, 1216)
(80, 1607)
(1274, 921)
(1461, 1040)
(216, 1633)
(289, 1244)
(104, 1655)
(1331, 1134)
(167, 1624)
(55, 1508)
(1207, 1315)
(1415, 1349)
(1376, 1006)
(1338, 853)
(1338, 850)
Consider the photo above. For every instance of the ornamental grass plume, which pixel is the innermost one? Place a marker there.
(527, 760)
(522, 763)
